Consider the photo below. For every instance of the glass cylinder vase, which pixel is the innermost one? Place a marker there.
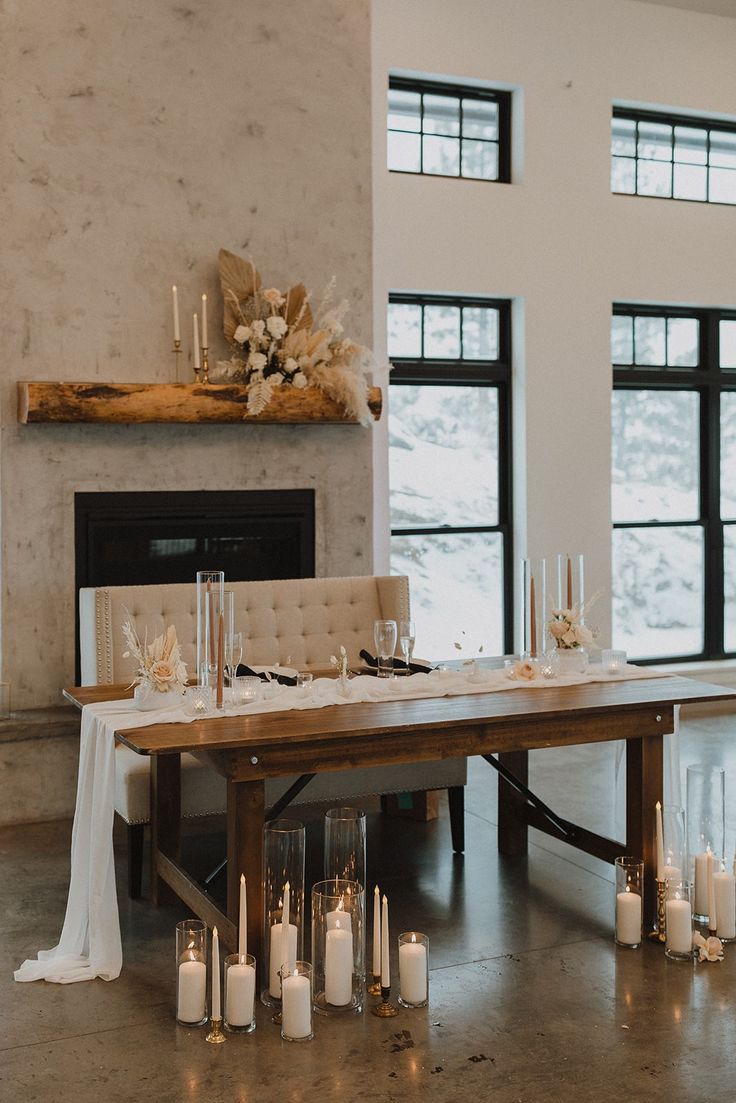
(679, 917)
(210, 590)
(296, 1005)
(534, 607)
(674, 844)
(413, 969)
(191, 972)
(283, 863)
(629, 896)
(706, 824)
(338, 946)
(567, 584)
(240, 990)
(345, 851)
(724, 897)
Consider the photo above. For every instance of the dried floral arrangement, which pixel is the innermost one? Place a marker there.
(566, 627)
(159, 663)
(279, 341)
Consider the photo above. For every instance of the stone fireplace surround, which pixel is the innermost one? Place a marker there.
(38, 749)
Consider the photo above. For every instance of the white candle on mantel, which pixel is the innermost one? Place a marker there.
(195, 329)
(628, 917)
(701, 883)
(385, 961)
(204, 322)
(679, 926)
(339, 965)
(175, 296)
(276, 960)
(377, 932)
(190, 1007)
(724, 887)
(296, 1007)
(712, 916)
(215, 975)
(413, 971)
(659, 837)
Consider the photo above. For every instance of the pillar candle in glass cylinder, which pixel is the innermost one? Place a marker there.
(678, 912)
(191, 972)
(240, 990)
(296, 1002)
(413, 969)
(339, 964)
(629, 888)
(724, 888)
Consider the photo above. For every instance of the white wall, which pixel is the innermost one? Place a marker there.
(556, 240)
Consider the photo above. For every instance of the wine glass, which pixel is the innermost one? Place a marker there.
(384, 637)
(407, 636)
(233, 654)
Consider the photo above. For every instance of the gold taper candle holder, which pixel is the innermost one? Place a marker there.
(384, 1009)
(205, 365)
(659, 934)
(374, 989)
(215, 1035)
(177, 353)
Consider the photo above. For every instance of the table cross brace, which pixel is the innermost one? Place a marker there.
(564, 826)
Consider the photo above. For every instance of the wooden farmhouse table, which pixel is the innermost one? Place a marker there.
(246, 750)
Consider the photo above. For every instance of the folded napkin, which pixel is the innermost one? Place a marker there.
(419, 666)
(272, 676)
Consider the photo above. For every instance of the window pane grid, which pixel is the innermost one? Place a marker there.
(673, 157)
(655, 341)
(455, 131)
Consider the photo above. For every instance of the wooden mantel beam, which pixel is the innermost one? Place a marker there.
(193, 403)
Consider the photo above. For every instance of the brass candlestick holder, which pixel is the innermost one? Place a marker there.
(215, 1035)
(659, 934)
(205, 365)
(384, 1009)
(374, 989)
(177, 353)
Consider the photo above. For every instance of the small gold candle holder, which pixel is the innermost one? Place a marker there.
(659, 934)
(385, 1009)
(205, 365)
(177, 353)
(215, 1035)
(374, 989)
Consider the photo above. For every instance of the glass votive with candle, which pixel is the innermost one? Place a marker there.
(199, 700)
(413, 969)
(283, 863)
(240, 992)
(679, 919)
(191, 972)
(304, 682)
(629, 894)
(296, 1001)
(724, 894)
(613, 662)
(246, 690)
(338, 946)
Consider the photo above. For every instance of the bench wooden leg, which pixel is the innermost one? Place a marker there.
(456, 803)
(513, 830)
(135, 833)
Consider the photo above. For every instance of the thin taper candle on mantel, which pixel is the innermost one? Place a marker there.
(205, 345)
(195, 337)
(177, 332)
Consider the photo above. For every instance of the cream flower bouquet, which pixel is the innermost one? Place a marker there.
(568, 631)
(278, 341)
(160, 664)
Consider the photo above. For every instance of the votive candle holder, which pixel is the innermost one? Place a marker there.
(296, 1001)
(413, 969)
(240, 991)
(629, 897)
(191, 972)
(679, 920)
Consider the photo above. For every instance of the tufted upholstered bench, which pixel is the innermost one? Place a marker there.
(295, 622)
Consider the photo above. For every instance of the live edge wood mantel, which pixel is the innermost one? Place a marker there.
(193, 403)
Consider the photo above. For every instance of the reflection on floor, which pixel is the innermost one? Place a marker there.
(530, 999)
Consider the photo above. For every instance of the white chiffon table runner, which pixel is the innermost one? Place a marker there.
(90, 944)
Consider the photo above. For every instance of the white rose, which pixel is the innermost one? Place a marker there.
(241, 335)
(583, 635)
(276, 379)
(257, 361)
(291, 364)
(299, 380)
(273, 296)
(258, 327)
(558, 628)
(276, 325)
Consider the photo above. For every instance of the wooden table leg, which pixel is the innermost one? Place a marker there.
(644, 787)
(165, 819)
(245, 812)
(513, 832)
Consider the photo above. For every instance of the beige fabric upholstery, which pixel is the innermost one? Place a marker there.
(296, 622)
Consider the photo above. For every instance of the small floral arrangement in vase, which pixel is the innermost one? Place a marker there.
(340, 662)
(160, 669)
(567, 629)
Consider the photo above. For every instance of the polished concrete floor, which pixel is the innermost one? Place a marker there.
(530, 999)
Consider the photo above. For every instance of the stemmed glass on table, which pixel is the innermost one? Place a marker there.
(384, 637)
(233, 655)
(407, 636)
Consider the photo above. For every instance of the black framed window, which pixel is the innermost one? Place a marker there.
(674, 482)
(440, 129)
(673, 156)
(450, 469)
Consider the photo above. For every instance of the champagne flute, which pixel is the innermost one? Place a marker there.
(384, 637)
(407, 636)
(234, 655)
